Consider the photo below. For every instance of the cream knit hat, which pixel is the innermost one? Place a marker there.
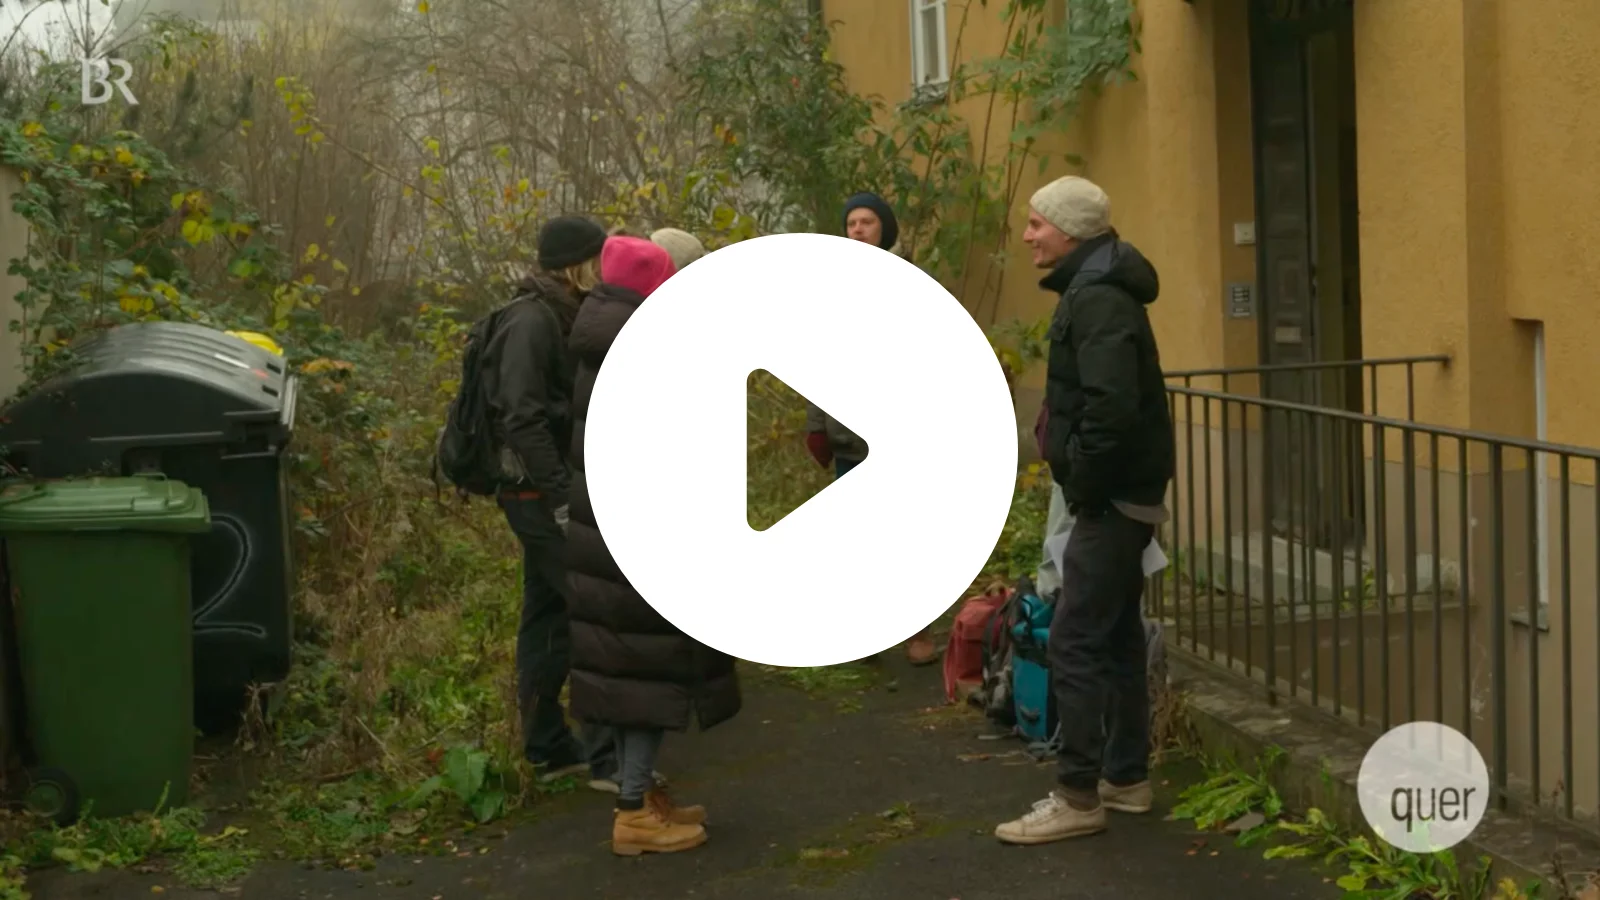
(683, 247)
(1075, 205)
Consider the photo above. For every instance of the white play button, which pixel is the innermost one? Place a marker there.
(868, 561)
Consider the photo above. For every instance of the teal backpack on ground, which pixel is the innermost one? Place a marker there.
(1030, 667)
(1017, 694)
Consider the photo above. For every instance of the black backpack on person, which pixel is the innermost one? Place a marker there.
(467, 453)
(468, 450)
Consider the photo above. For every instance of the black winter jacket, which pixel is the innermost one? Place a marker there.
(630, 666)
(527, 377)
(1108, 436)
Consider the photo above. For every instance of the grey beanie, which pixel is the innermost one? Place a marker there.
(683, 247)
(1075, 205)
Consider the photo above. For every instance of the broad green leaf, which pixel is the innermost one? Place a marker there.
(488, 805)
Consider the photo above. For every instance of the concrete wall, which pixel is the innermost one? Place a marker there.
(13, 244)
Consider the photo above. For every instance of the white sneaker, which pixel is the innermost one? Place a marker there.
(1052, 819)
(1132, 798)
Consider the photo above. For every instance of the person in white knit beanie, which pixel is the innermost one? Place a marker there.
(1076, 209)
(1107, 437)
(683, 247)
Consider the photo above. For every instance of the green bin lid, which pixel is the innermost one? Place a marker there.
(140, 503)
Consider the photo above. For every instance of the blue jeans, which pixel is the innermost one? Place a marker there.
(636, 750)
(841, 466)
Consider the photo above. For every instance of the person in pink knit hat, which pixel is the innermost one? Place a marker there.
(632, 671)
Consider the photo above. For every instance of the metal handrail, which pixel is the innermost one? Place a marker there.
(1532, 445)
(1441, 358)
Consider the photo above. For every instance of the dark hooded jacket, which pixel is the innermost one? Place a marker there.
(630, 666)
(1107, 434)
(527, 377)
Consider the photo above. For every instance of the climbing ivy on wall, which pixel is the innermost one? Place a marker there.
(785, 119)
(1055, 56)
(1047, 68)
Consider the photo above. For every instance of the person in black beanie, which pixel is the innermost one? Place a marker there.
(869, 219)
(568, 241)
(528, 382)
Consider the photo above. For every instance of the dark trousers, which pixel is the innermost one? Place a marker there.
(1097, 653)
(544, 638)
(841, 466)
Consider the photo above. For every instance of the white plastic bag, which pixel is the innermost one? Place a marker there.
(1056, 545)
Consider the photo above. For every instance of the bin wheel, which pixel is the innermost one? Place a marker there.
(51, 794)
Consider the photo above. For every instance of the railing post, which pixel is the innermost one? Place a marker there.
(1380, 562)
(1269, 517)
(1408, 478)
(1535, 595)
(1567, 789)
(1497, 616)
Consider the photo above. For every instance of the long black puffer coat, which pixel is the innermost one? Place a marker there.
(630, 666)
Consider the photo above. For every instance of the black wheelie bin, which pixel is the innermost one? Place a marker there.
(215, 412)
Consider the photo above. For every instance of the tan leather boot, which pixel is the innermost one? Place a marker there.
(921, 650)
(662, 803)
(637, 831)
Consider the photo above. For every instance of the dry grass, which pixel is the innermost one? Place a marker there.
(1172, 732)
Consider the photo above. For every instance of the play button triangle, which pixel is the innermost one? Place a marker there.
(780, 472)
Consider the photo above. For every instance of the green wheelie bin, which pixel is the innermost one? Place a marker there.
(99, 571)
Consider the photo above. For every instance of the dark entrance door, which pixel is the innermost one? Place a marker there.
(1303, 87)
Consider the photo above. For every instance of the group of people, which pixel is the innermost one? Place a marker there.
(633, 676)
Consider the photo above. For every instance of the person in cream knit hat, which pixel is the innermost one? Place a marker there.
(1074, 206)
(683, 247)
(1107, 437)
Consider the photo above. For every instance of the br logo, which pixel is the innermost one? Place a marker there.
(98, 86)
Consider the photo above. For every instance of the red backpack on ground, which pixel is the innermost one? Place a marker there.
(964, 656)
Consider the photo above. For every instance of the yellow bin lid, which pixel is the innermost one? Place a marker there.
(260, 340)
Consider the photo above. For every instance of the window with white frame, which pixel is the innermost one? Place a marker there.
(930, 60)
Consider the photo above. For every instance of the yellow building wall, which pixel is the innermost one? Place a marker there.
(1549, 112)
(1478, 148)
(1412, 128)
(1175, 161)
